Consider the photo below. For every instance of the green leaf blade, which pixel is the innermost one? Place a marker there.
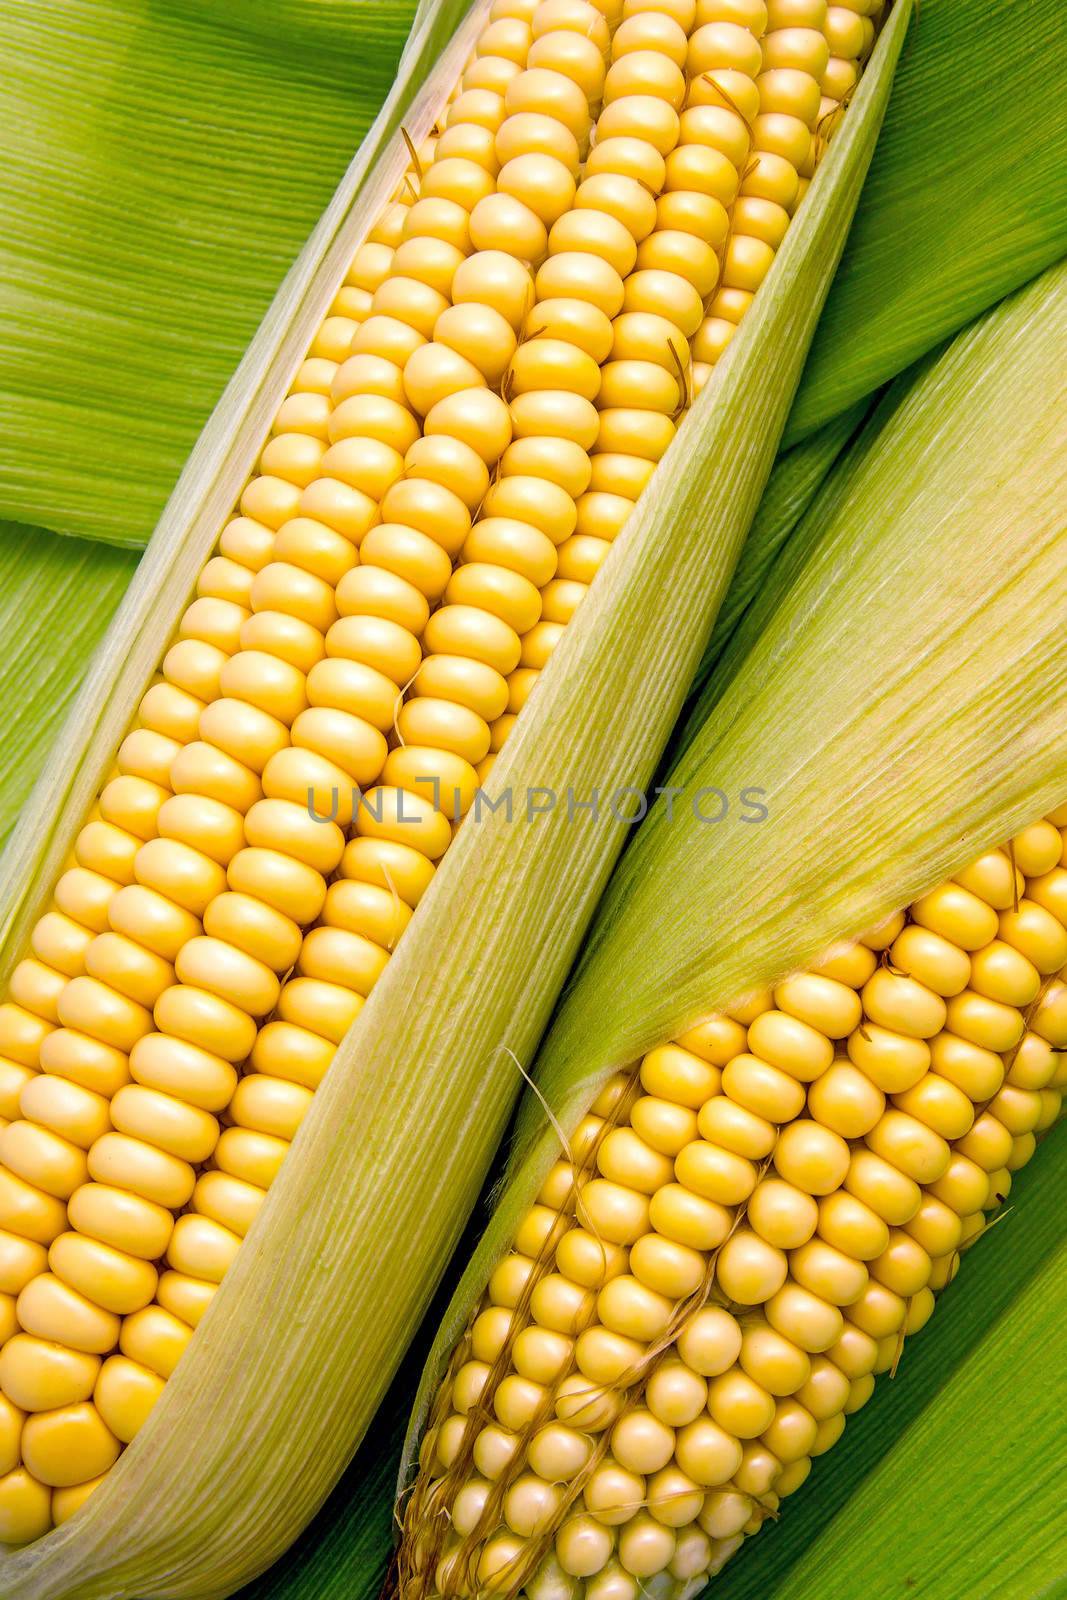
(965, 201)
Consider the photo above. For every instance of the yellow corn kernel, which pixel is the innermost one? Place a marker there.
(66, 1447)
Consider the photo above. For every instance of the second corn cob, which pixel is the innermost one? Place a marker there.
(737, 1240)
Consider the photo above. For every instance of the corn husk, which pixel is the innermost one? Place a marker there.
(796, 479)
(295, 1352)
(902, 710)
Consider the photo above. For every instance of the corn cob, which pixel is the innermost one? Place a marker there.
(739, 1236)
(335, 608)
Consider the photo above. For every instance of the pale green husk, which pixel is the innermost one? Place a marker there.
(796, 479)
(807, 484)
(294, 1354)
(901, 711)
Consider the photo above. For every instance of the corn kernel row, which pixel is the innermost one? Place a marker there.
(650, 210)
(738, 1242)
(809, 62)
(474, 629)
(850, 29)
(779, 116)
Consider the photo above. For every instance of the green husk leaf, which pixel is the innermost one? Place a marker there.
(299, 1343)
(56, 598)
(965, 200)
(901, 712)
(795, 480)
(170, 162)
